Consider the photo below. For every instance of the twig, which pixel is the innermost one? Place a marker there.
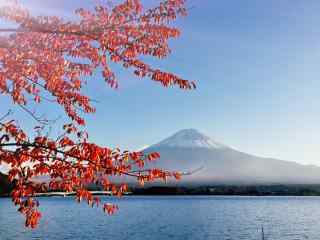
(6, 115)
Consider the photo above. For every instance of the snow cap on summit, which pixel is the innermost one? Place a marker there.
(190, 138)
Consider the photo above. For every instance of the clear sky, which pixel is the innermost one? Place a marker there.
(257, 67)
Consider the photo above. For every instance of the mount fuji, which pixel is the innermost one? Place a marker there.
(216, 163)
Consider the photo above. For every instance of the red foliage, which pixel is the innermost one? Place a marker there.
(47, 56)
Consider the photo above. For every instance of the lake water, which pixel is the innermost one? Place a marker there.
(170, 217)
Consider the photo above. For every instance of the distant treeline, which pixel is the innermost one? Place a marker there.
(242, 190)
(5, 186)
(263, 190)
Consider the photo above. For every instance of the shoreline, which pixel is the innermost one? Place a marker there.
(170, 195)
(220, 190)
(65, 194)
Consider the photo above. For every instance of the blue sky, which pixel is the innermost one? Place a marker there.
(257, 67)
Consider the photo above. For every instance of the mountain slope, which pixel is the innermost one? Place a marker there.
(189, 150)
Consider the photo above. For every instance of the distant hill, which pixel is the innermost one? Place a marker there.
(5, 186)
(219, 164)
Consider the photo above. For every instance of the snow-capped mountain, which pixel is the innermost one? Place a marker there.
(190, 138)
(189, 150)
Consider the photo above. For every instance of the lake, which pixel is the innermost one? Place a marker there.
(170, 217)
